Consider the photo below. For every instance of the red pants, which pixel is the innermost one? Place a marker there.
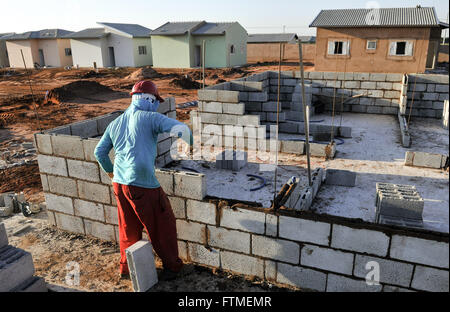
(141, 208)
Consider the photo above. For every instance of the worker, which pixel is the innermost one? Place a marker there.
(142, 203)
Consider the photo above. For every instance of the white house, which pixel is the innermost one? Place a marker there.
(121, 45)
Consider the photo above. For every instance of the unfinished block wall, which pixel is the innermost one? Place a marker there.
(78, 192)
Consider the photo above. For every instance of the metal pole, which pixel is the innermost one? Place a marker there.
(278, 124)
(305, 112)
(203, 62)
(32, 93)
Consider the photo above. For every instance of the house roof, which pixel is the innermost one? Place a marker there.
(388, 17)
(212, 29)
(271, 38)
(176, 28)
(89, 33)
(40, 34)
(4, 35)
(134, 30)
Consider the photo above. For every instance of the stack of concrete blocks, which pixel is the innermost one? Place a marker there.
(6, 204)
(141, 263)
(425, 160)
(17, 268)
(231, 160)
(429, 93)
(78, 193)
(340, 177)
(401, 202)
(296, 111)
(445, 113)
(302, 197)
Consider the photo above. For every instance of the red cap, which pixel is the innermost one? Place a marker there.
(146, 86)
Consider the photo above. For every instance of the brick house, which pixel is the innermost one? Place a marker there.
(393, 40)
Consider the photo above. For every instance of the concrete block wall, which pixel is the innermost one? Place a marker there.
(310, 252)
(78, 193)
(429, 93)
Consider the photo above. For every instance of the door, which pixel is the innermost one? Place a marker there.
(198, 56)
(112, 57)
(41, 57)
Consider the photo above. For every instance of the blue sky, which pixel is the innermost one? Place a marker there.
(257, 16)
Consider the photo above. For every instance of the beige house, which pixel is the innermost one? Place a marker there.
(390, 40)
(44, 48)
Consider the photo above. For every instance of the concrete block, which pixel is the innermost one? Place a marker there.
(368, 85)
(3, 236)
(427, 160)
(63, 186)
(391, 272)
(59, 203)
(89, 210)
(32, 285)
(443, 97)
(228, 96)
(100, 230)
(253, 107)
(191, 231)
(293, 147)
(52, 165)
(336, 283)
(271, 225)
(374, 110)
(316, 75)
(305, 230)
(400, 205)
(141, 262)
(392, 94)
(248, 120)
(378, 77)
(94, 192)
(409, 156)
(209, 118)
(360, 240)
(212, 107)
(104, 121)
(301, 277)
(69, 223)
(258, 97)
(327, 259)
(208, 95)
(44, 182)
(16, 266)
(85, 129)
(228, 239)
(275, 249)
(442, 88)
(166, 180)
(352, 84)
(361, 76)
(270, 272)
(234, 108)
(111, 215)
(340, 177)
(83, 170)
(89, 148)
(422, 251)
(376, 93)
(429, 279)
(190, 185)
(384, 85)
(201, 212)
(202, 255)
(242, 264)
(178, 206)
(289, 127)
(68, 146)
(243, 220)
(394, 77)
(44, 143)
(225, 119)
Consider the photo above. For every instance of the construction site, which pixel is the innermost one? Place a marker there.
(299, 180)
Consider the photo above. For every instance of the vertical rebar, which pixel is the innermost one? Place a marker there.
(203, 62)
(32, 93)
(278, 124)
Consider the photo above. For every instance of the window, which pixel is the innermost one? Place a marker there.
(142, 50)
(232, 49)
(401, 48)
(338, 47)
(68, 51)
(371, 44)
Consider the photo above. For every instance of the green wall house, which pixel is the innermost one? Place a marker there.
(179, 45)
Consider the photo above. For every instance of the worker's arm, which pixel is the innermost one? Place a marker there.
(102, 152)
(165, 124)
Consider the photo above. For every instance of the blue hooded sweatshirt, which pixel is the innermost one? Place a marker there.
(134, 137)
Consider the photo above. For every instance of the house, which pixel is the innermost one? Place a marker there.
(4, 61)
(44, 47)
(398, 40)
(121, 45)
(266, 47)
(179, 45)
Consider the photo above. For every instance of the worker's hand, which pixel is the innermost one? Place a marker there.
(111, 175)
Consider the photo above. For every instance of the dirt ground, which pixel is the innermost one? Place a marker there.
(65, 96)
